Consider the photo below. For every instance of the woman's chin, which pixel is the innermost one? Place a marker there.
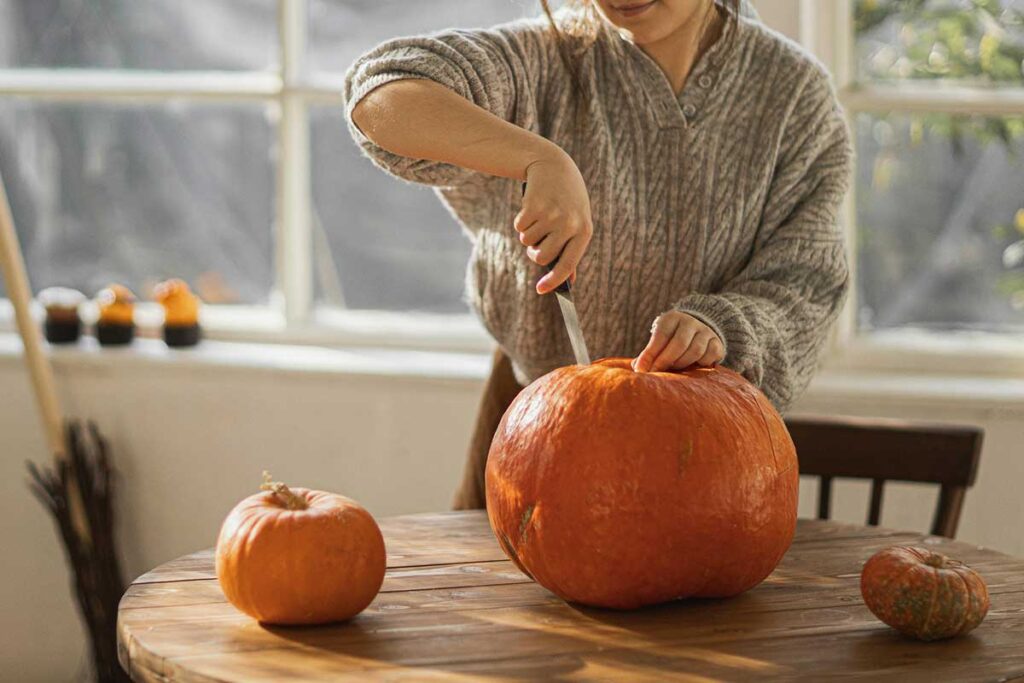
(648, 23)
(650, 27)
(644, 33)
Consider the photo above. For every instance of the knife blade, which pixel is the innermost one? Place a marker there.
(563, 293)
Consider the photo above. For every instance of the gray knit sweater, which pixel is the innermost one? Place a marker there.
(721, 202)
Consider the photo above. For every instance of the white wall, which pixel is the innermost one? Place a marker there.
(782, 15)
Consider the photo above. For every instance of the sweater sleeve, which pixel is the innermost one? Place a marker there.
(497, 69)
(775, 315)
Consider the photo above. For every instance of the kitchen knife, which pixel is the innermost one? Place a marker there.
(563, 293)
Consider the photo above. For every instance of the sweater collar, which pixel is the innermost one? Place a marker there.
(707, 80)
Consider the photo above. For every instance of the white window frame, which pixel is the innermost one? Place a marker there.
(826, 29)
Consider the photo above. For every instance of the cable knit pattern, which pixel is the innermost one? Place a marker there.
(721, 202)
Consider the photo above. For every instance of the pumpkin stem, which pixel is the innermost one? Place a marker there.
(283, 493)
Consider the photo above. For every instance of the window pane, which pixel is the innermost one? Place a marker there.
(380, 243)
(940, 219)
(138, 34)
(341, 30)
(136, 194)
(960, 40)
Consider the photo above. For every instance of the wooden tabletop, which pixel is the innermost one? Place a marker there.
(453, 608)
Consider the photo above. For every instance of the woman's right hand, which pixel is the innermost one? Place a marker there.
(555, 222)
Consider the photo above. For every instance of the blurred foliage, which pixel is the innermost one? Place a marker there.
(975, 40)
(980, 42)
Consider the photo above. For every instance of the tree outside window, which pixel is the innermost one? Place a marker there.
(940, 196)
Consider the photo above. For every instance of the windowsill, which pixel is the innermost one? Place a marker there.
(334, 328)
(968, 392)
(971, 392)
(306, 360)
(921, 352)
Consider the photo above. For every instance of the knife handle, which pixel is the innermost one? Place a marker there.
(565, 287)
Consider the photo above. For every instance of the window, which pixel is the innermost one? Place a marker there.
(138, 193)
(389, 245)
(160, 35)
(138, 144)
(935, 94)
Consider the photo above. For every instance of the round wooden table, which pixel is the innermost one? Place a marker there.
(453, 608)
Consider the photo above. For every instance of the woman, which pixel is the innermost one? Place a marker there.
(682, 162)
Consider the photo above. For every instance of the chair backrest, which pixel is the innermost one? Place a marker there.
(889, 450)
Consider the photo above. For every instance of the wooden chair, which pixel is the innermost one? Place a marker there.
(889, 450)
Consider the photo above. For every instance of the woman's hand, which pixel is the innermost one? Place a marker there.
(555, 223)
(678, 340)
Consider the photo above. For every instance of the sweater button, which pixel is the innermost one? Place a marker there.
(704, 81)
(689, 111)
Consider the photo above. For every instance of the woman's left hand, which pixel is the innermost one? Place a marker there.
(678, 340)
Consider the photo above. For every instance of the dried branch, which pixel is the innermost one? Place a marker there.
(91, 551)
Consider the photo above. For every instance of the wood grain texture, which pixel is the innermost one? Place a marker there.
(453, 608)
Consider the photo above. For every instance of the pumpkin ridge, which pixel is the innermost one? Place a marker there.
(934, 599)
(254, 526)
(967, 598)
(768, 432)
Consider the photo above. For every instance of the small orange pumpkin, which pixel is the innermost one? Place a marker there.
(295, 556)
(923, 594)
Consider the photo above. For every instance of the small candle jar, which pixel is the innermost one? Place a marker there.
(63, 325)
(181, 313)
(116, 323)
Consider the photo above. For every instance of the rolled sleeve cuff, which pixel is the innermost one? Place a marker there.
(709, 311)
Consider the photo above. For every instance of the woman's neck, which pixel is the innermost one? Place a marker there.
(680, 51)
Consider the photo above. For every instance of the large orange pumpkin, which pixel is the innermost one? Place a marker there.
(922, 593)
(621, 489)
(295, 556)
